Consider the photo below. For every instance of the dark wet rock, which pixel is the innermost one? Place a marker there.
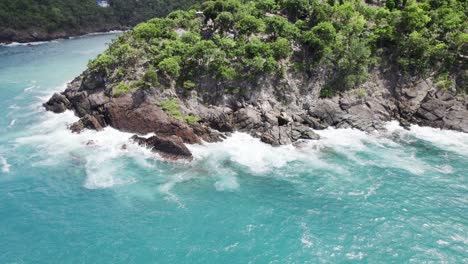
(268, 138)
(443, 111)
(327, 111)
(276, 116)
(219, 118)
(169, 147)
(283, 119)
(305, 133)
(87, 121)
(313, 122)
(206, 133)
(58, 103)
(277, 135)
(92, 81)
(143, 116)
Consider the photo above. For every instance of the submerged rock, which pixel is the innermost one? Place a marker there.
(86, 121)
(169, 147)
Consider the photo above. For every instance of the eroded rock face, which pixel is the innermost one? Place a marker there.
(261, 113)
(139, 114)
(443, 110)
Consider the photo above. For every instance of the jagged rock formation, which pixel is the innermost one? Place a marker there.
(260, 113)
(276, 70)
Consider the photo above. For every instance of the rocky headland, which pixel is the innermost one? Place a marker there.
(277, 71)
(278, 113)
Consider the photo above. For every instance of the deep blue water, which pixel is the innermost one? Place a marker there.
(396, 197)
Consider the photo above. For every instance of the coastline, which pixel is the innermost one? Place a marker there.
(34, 38)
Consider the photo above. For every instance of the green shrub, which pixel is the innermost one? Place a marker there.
(151, 77)
(225, 21)
(361, 93)
(326, 92)
(228, 73)
(172, 107)
(281, 48)
(170, 66)
(190, 119)
(189, 85)
(248, 25)
(102, 63)
(279, 26)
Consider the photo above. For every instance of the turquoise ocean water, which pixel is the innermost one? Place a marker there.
(351, 197)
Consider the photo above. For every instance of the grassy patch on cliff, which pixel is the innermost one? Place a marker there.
(121, 89)
(172, 107)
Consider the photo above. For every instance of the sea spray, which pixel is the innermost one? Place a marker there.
(350, 197)
(5, 165)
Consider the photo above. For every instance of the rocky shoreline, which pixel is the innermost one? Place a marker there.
(8, 35)
(278, 112)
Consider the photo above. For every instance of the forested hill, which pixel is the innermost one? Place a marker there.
(239, 40)
(30, 20)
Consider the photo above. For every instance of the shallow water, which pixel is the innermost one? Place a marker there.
(351, 197)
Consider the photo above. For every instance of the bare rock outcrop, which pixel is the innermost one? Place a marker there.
(169, 147)
(263, 112)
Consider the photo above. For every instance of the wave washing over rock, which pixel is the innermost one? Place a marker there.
(351, 196)
(261, 113)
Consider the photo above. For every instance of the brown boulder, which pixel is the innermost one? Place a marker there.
(87, 121)
(58, 103)
(169, 147)
(141, 115)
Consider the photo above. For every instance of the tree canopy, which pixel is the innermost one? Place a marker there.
(244, 40)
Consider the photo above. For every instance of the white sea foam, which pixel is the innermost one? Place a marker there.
(355, 255)
(34, 43)
(100, 150)
(445, 139)
(254, 154)
(97, 150)
(12, 123)
(5, 165)
(231, 247)
(386, 152)
(166, 188)
(261, 158)
(306, 242)
(105, 33)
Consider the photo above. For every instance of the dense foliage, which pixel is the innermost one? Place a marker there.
(54, 15)
(231, 41)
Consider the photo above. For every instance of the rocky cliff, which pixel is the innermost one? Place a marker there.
(277, 70)
(278, 112)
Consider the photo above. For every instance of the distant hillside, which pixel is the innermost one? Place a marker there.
(31, 20)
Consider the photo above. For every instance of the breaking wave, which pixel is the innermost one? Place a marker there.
(5, 165)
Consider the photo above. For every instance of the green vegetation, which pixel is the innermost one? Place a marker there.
(121, 89)
(72, 15)
(240, 40)
(191, 119)
(151, 77)
(172, 107)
